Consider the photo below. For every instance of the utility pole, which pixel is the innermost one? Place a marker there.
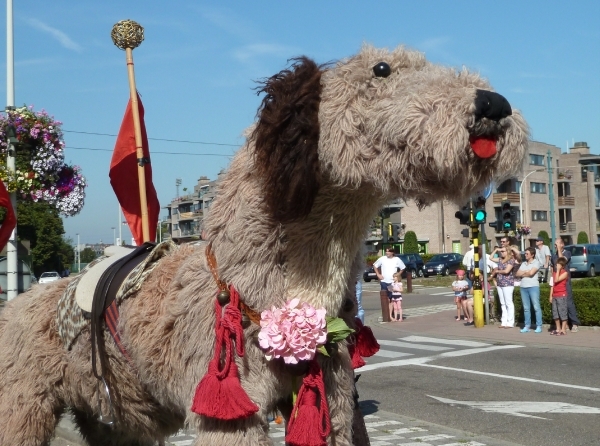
(11, 248)
(551, 198)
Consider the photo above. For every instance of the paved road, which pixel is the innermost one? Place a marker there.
(436, 382)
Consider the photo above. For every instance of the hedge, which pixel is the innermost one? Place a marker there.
(586, 295)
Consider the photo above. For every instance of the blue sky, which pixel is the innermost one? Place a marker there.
(197, 68)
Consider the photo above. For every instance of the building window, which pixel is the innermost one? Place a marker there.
(536, 160)
(538, 188)
(539, 215)
(175, 227)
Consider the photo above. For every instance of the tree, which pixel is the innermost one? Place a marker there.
(582, 237)
(87, 255)
(411, 246)
(41, 225)
(545, 236)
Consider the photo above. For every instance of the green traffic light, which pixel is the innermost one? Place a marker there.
(507, 225)
(479, 216)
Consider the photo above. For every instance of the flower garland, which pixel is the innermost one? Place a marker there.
(41, 173)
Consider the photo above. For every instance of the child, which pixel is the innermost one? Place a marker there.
(558, 297)
(460, 287)
(396, 298)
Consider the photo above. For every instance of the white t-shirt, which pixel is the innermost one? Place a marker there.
(389, 267)
(462, 285)
(540, 255)
(468, 259)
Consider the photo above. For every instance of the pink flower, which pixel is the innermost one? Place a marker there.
(293, 332)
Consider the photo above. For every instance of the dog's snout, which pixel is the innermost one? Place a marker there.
(491, 105)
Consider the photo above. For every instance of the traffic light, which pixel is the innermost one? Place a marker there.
(464, 215)
(396, 232)
(508, 216)
(465, 232)
(479, 213)
(497, 225)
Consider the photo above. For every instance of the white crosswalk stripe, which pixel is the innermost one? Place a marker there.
(422, 349)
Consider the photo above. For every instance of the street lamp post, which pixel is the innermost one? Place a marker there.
(78, 255)
(521, 204)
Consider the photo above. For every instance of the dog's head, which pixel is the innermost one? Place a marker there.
(387, 119)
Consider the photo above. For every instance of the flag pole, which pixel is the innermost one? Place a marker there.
(128, 35)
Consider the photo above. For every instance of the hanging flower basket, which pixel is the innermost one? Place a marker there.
(523, 229)
(40, 169)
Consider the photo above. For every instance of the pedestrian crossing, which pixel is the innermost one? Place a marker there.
(381, 431)
(414, 350)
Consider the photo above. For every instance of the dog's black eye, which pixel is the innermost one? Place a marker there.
(382, 69)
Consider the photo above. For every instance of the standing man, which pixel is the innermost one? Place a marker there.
(571, 310)
(385, 267)
(468, 258)
(543, 255)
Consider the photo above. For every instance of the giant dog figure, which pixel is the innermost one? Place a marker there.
(331, 145)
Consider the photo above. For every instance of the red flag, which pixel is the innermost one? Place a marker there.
(10, 221)
(124, 176)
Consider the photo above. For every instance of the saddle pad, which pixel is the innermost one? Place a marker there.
(71, 319)
(84, 293)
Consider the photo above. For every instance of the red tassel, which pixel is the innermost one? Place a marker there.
(366, 344)
(219, 394)
(357, 361)
(222, 398)
(310, 424)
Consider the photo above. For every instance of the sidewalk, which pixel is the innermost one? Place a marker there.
(443, 324)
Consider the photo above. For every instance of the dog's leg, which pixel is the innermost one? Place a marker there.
(98, 434)
(31, 367)
(252, 431)
(339, 385)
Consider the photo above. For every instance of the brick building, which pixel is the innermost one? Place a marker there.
(573, 179)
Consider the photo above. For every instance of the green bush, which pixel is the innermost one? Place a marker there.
(370, 259)
(586, 296)
(546, 237)
(426, 257)
(411, 245)
(582, 237)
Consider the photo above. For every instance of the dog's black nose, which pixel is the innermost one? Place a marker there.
(491, 105)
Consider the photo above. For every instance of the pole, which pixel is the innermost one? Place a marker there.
(11, 248)
(78, 255)
(478, 317)
(128, 35)
(551, 198)
(486, 285)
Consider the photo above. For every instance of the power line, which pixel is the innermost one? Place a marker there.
(158, 139)
(153, 152)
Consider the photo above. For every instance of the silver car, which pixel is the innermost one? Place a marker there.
(50, 276)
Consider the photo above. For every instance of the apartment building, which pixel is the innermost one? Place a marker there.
(571, 180)
(185, 213)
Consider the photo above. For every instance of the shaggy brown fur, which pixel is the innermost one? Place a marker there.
(376, 138)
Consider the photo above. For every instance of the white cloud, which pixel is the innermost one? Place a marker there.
(57, 34)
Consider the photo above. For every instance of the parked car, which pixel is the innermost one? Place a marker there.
(413, 262)
(49, 276)
(585, 259)
(444, 264)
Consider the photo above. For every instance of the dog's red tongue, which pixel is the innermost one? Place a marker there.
(482, 146)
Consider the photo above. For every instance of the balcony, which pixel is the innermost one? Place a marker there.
(498, 198)
(566, 201)
(568, 228)
(565, 175)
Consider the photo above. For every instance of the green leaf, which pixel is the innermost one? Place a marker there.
(337, 329)
(321, 349)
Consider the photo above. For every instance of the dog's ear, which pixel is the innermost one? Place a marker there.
(286, 139)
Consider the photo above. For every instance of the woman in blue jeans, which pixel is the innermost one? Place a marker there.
(530, 290)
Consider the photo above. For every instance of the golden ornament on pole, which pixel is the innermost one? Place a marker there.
(128, 35)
